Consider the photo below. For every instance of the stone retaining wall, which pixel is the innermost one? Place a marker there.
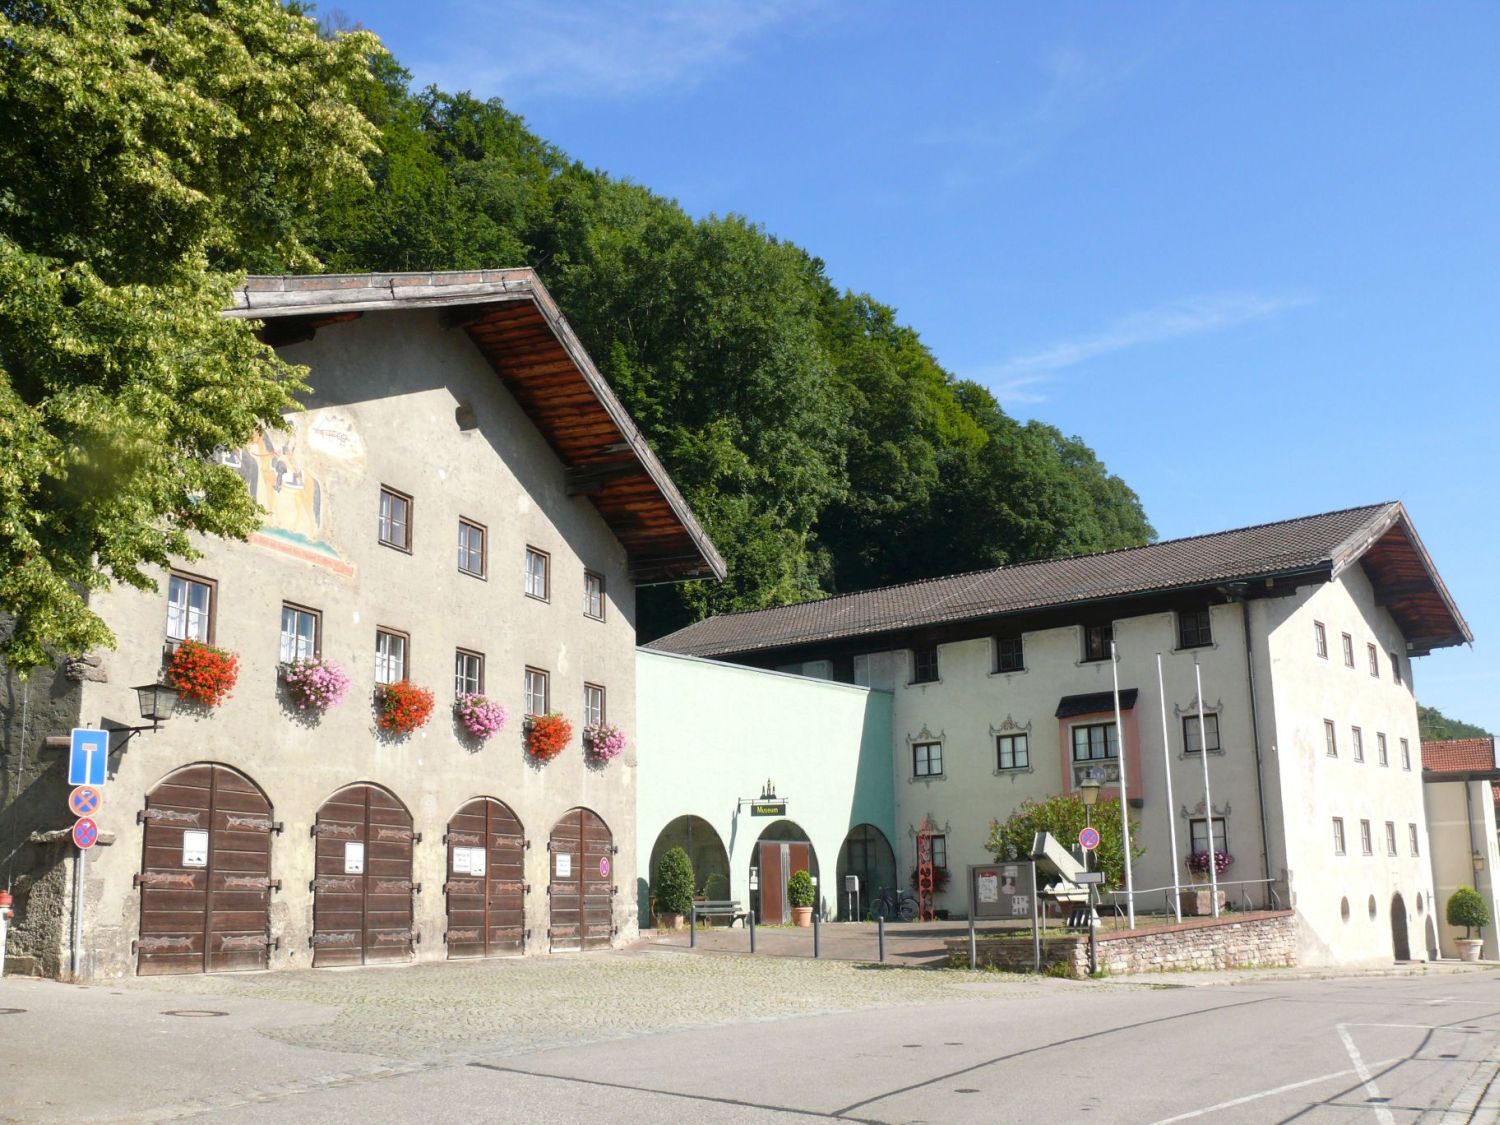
(1235, 941)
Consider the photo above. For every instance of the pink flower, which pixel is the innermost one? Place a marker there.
(482, 717)
(604, 741)
(319, 684)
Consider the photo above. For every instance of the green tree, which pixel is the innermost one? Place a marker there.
(146, 152)
(1064, 817)
(1434, 726)
(1467, 908)
(673, 892)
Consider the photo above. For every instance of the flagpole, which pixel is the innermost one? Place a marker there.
(1208, 797)
(1166, 758)
(1114, 667)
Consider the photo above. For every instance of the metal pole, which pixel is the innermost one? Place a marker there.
(1036, 923)
(78, 874)
(1088, 865)
(1114, 667)
(880, 936)
(1166, 761)
(752, 931)
(693, 927)
(973, 944)
(817, 950)
(1208, 798)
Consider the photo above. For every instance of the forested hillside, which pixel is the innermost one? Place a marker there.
(818, 439)
(1437, 727)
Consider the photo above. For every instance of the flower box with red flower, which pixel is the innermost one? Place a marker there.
(203, 673)
(547, 735)
(404, 707)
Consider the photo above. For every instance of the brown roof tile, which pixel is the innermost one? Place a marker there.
(1458, 755)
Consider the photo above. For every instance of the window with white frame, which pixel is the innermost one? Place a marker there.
(1366, 841)
(1338, 835)
(394, 525)
(927, 759)
(1330, 738)
(1374, 655)
(536, 573)
(390, 656)
(1390, 837)
(1198, 833)
(593, 595)
(1320, 639)
(1357, 737)
(299, 633)
(468, 672)
(471, 548)
(190, 606)
(1348, 651)
(1405, 754)
(1012, 752)
(1411, 839)
(593, 705)
(1382, 753)
(1191, 739)
(535, 692)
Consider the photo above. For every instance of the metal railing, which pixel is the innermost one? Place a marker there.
(1272, 898)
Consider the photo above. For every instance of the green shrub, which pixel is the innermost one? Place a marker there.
(1467, 909)
(674, 883)
(800, 890)
(1063, 816)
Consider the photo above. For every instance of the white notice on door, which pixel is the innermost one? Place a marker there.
(468, 861)
(354, 858)
(564, 864)
(194, 847)
(476, 861)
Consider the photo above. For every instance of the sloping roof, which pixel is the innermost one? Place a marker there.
(1458, 755)
(518, 328)
(1379, 536)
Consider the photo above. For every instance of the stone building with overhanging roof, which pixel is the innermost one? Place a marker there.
(1001, 689)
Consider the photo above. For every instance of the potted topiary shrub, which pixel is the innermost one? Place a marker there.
(1466, 908)
(801, 894)
(673, 893)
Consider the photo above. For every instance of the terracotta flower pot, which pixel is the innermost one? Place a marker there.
(1469, 948)
(802, 915)
(671, 921)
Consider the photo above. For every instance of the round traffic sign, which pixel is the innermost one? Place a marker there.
(85, 833)
(1088, 839)
(84, 800)
(604, 867)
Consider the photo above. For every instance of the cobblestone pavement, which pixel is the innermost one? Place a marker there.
(436, 1010)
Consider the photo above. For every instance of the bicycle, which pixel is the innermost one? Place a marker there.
(889, 904)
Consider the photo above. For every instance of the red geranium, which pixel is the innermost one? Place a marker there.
(404, 707)
(547, 736)
(202, 673)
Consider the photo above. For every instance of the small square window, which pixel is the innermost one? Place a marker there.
(924, 665)
(395, 519)
(1320, 638)
(1097, 640)
(190, 607)
(1190, 739)
(1358, 743)
(593, 595)
(535, 694)
(1390, 837)
(1395, 667)
(1331, 738)
(1012, 752)
(468, 672)
(536, 573)
(1010, 654)
(939, 851)
(1405, 754)
(1338, 835)
(390, 656)
(471, 553)
(1411, 839)
(927, 759)
(1348, 651)
(1194, 629)
(593, 705)
(1374, 655)
(1382, 754)
(1366, 843)
(301, 633)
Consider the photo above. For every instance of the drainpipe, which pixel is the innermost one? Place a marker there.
(1469, 819)
(1238, 594)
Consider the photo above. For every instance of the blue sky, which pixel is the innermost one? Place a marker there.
(1249, 253)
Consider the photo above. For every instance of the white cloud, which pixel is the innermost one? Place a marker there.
(1015, 379)
(610, 48)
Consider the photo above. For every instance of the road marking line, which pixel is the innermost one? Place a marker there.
(1265, 1094)
(1382, 1114)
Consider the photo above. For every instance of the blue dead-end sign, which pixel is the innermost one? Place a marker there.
(1088, 839)
(88, 756)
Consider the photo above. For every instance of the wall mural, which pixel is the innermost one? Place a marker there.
(288, 473)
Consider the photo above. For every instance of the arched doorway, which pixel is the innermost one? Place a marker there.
(705, 850)
(782, 849)
(1400, 936)
(362, 910)
(205, 874)
(867, 854)
(486, 885)
(580, 888)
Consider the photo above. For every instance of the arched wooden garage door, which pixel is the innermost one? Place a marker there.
(362, 888)
(581, 858)
(205, 874)
(486, 881)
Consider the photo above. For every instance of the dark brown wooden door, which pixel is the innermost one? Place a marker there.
(778, 860)
(486, 881)
(581, 882)
(205, 874)
(362, 888)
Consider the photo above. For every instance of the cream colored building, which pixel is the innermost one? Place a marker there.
(1303, 633)
(1459, 778)
(463, 505)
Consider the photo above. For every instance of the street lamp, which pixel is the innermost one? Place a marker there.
(157, 702)
(1088, 792)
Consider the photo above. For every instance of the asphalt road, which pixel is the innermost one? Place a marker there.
(771, 1040)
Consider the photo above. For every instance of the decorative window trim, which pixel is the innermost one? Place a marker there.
(1200, 810)
(925, 735)
(1190, 711)
(1011, 727)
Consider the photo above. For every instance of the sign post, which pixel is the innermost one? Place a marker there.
(88, 770)
(88, 755)
(1088, 840)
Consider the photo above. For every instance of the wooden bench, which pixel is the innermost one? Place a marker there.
(723, 908)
